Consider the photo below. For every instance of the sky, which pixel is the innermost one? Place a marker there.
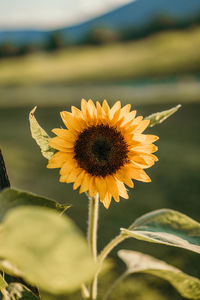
(52, 13)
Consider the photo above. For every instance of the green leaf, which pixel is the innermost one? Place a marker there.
(166, 226)
(17, 291)
(3, 283)
(40, 136)
(159, 117)
(11, 198)
(188, 286)
(47, 248)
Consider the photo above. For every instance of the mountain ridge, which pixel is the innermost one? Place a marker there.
(134, 14)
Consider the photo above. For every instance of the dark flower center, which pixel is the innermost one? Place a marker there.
(101, 150)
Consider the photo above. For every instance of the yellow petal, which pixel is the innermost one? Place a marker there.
(122, 190)
(112, 187)
(129, 129)
(121, 175)
(71, 122)
(70, 175)
(116, 117)
(106, 107)
(65, 134)
(138, 119)
(61, 149)
(77, 113)
(149, 138)
(129, 117)
(70, 164)
(116, 107)
(92, 189)
(99, 112)
(142, 126)
(91, 108)
(90, 113)
(125, 110)
(85, 184)
(107, 200)
(145, 138)
(147, 156)
(65, 174)
(58, 141)
(83, 106)
(73, 175)
(147, 148)
(58, 160)
(101, 187)
(119, 123)
(79, 180)
(62, 178)
(138, 174)
(142, 166)
(143, 162)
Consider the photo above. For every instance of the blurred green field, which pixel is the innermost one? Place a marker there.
(175, 184)
(55, 82)
(160, 55)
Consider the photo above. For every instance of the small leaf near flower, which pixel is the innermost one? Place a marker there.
(159, 117)
(40, 136)
(188, 286)
(168, 227)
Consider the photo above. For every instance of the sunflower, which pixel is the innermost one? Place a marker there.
(103, 149)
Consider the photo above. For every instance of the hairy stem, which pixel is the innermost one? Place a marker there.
(104, 253)
(93, 225)
(92, 238)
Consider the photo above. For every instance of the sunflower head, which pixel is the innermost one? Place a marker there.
(102, 149)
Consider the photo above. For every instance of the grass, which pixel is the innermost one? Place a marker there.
(179, 91)
(160, 55)
(175, 185)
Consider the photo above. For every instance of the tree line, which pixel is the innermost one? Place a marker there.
(99, 35)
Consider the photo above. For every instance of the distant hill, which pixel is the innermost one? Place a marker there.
(23, 36)
(135, 14)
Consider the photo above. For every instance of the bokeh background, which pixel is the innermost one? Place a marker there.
(144, 52)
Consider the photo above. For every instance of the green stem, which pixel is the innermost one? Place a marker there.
(108, 248)
(92, 238)
(92, 242)
(93, 288)
(93, 225)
